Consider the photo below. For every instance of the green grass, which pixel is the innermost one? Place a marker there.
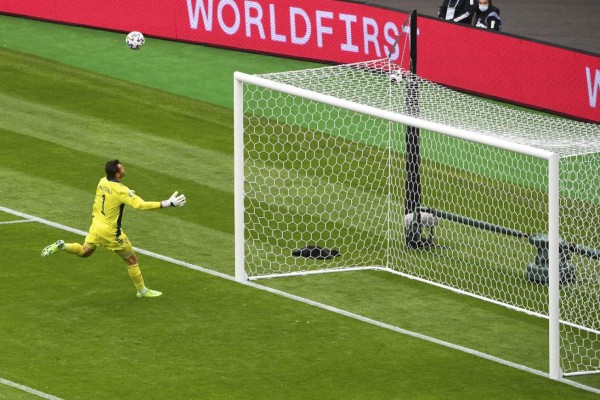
(11, 393)
(74, 329)
(210, 338)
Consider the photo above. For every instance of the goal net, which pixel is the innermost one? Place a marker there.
(508, 200)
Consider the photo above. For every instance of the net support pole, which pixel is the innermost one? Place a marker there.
(413, 154)
(413, 41)
(238, 177)
(553, 268)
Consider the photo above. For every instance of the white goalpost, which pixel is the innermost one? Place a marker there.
(507, 209)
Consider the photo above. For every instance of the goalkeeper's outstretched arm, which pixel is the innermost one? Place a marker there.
(135, 201)
(176, 200)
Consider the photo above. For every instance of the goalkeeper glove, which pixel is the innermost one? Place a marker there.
(176, 200)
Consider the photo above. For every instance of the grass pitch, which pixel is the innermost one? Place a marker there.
(73, 328)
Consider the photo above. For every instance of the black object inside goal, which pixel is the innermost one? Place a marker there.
(316, 252)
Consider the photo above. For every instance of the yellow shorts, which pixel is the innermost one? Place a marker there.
(119, 245)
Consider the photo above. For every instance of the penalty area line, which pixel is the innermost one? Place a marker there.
(319, 305)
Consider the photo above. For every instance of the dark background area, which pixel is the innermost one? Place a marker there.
(570, 23)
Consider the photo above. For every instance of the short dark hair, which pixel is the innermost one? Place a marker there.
(111, 168)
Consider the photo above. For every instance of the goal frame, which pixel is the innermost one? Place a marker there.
(553, 185)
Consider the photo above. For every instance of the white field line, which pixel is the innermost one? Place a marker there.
(317, 304)
(29, 390)
(19, 221)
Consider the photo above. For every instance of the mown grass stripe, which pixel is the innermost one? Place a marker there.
(98, 137)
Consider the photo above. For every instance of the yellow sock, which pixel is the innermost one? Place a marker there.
(136, 276)
(73, 248)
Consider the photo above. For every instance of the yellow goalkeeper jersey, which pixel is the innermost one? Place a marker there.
(111, 198)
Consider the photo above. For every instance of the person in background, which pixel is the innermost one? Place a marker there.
(458, 10)
(487, 16)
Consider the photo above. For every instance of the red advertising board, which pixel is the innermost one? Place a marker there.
(509, 68)
(501, 66)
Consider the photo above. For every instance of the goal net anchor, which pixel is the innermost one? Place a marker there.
(537, 272)
(416, 223)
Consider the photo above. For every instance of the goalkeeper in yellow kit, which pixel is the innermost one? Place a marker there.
(107, 215)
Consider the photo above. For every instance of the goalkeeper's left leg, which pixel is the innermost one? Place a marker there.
(84, 250)
(73, 248)
(125, 251)
(52, 248)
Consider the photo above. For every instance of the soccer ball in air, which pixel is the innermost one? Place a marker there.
(135, 40)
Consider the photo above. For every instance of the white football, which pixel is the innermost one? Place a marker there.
(395, 77)
(135, 40)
